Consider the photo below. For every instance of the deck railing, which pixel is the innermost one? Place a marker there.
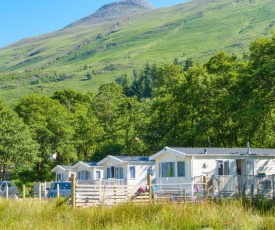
(104, 193)
(243, 185)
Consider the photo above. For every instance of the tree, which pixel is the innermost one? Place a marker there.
(188, 63)
(176, 61)
(89, 76)
(144, 83)
(121, 119)
(87, 130)
(162, 127)
(88, 135)
(72, 99)
(18, 151)
(257, 90)
(51, 126)
(224, 70)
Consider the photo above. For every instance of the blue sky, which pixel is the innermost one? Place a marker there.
(27, 18)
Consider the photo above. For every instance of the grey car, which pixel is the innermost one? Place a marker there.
(64, 189)
(12, 190)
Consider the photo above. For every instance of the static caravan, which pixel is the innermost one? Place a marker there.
(184, 165)
(62, 172)
(128, 170)
(88, 171)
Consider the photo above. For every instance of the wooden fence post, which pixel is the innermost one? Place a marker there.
(73, 190)
(57, 191)
(24, 192)
(252, 193)
(7, 192)
(39, 191)
(45, 189)
(184, 195)
(100, 191)
(149, 183)
(114, 194)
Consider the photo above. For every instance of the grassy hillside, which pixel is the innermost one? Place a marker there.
(196, 29)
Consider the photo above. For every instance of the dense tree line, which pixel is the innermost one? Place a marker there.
(224, 102)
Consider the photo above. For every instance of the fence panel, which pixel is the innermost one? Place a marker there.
(102, 194)
(42, 190)
(184, 192)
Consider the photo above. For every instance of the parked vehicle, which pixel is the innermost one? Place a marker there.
(12, 190)
(64, 189)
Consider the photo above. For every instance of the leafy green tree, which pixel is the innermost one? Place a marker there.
(88, 135)
(50, 124)
(221, 64)
(87, 130)
(257, 90)
(188, 63)
(107, 106)
(18, 151)
(224, 70)
(121, 119)
(162, 127)
(72, 100)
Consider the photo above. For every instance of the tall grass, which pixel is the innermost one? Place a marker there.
(30, 214)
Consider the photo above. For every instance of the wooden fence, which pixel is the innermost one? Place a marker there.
(94, 195)
(105, 193)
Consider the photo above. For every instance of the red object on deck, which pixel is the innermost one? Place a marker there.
(141, 189)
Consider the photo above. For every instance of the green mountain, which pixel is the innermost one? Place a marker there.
(124, 36)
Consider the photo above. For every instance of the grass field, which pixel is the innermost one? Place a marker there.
(30, 214)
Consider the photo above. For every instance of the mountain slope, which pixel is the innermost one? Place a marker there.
(112, 11)
(109, 48)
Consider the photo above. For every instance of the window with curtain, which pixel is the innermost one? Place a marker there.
(84, 175)
(220, 167)
(167, 169)
(223, 167)
(226, 168)
(115, 172)
(181, 168)
(59, 177)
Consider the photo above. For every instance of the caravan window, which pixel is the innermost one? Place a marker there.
(132, 172)
(115, 172)
(167, 169)
(97, 175)
(59, 177)
(223, 167)
(84, 175)
(249, 167)
(181, 169)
